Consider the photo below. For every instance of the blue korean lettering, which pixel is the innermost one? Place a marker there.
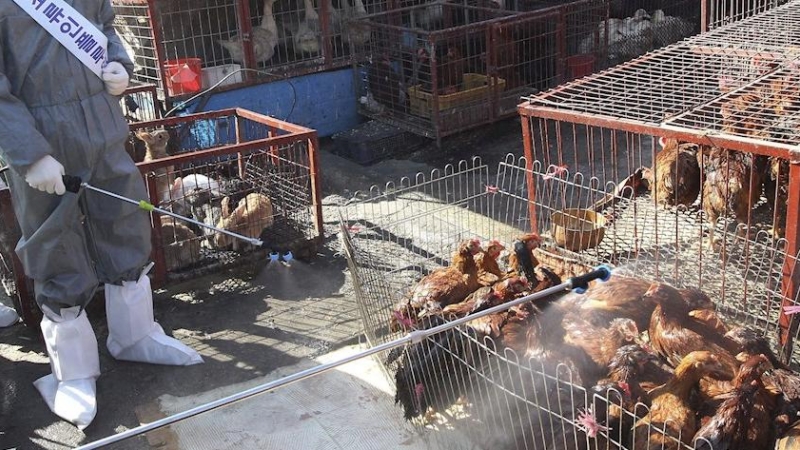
(54, 13)
(66, 27)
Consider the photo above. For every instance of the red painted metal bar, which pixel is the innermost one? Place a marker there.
(161, 58)
(527, 142)
(246, 34)
(704, 18)
(223, 150)
(715, 138)
(316, 201)
(791, 273)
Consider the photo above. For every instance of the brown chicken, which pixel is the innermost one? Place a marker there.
(618, 393)
(600, 344)
(487, 297)
(790, 439)
(440, 288)
(674, 333)
(623, 296)
(743, 420)
(779, 379)
(675, 178)
(488, 268)
(450, 68)
(776, 189)
(732, 185)
(521, 261)
(733, 179)
(670, 405)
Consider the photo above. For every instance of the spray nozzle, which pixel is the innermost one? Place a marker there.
(274, 257)
(288, 257)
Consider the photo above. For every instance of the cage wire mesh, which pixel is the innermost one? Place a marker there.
(140, 103)
(463, 64)
(470, 383)
(235, 170)
(723, 12)
(183, 46)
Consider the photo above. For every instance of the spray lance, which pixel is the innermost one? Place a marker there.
(74, 184)
(578, 284)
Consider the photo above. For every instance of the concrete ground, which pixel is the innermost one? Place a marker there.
(249, 326)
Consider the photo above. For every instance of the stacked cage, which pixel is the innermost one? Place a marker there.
(708, 125)
(632, 29)
(234, 170)
(481, 385)
(674, 167)
(462, 65)
(184, 46)
(722, 12)
(439, 68)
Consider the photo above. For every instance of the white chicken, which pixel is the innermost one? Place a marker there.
(264, 39)
(614, 26)
(306, 36)
(669, 29)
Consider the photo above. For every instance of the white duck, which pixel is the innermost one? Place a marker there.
(306, 37)
(357, 33)
(265, 38)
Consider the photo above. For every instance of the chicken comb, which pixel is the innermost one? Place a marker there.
(496, 243)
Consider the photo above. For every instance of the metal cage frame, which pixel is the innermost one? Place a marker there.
(678, 92)
(395, 234)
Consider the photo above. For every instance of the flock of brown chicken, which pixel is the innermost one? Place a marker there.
(730, 182)
(661, 368)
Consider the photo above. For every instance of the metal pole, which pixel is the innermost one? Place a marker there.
(150, 207)
(579, 283)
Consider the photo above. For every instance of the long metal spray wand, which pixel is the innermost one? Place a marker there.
(73, 184)
(579, 284)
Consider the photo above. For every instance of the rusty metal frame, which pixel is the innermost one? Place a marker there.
(249, 77)
(549, 105)
(294, 133)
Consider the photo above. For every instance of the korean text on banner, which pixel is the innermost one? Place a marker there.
(71, 29)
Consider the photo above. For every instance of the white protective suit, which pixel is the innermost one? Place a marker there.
(51, 104)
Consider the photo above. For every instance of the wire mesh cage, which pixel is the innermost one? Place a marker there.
(185, 46)
(440, 68)
(723, 12)
(530, 391)
(140, 103)
(231, 169)
(635, 28)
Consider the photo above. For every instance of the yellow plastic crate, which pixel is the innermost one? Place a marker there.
(476, 87)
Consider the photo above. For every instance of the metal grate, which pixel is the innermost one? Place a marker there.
(261, 167)
(494, 395)
(441, 68)
(723, 12)
(183, 46)
(745, 71)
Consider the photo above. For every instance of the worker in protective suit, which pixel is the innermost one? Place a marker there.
(57, 117)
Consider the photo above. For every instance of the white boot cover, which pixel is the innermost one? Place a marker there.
(133, 335)
(8, 316)
(70, 390)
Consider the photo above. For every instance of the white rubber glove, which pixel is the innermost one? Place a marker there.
(45, 175)
(115, 77)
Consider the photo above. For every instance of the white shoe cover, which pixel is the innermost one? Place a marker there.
(73, 401)
(8, 316)
(133, 335)
(72, 346)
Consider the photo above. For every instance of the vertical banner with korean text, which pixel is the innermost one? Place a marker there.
(71, 29)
